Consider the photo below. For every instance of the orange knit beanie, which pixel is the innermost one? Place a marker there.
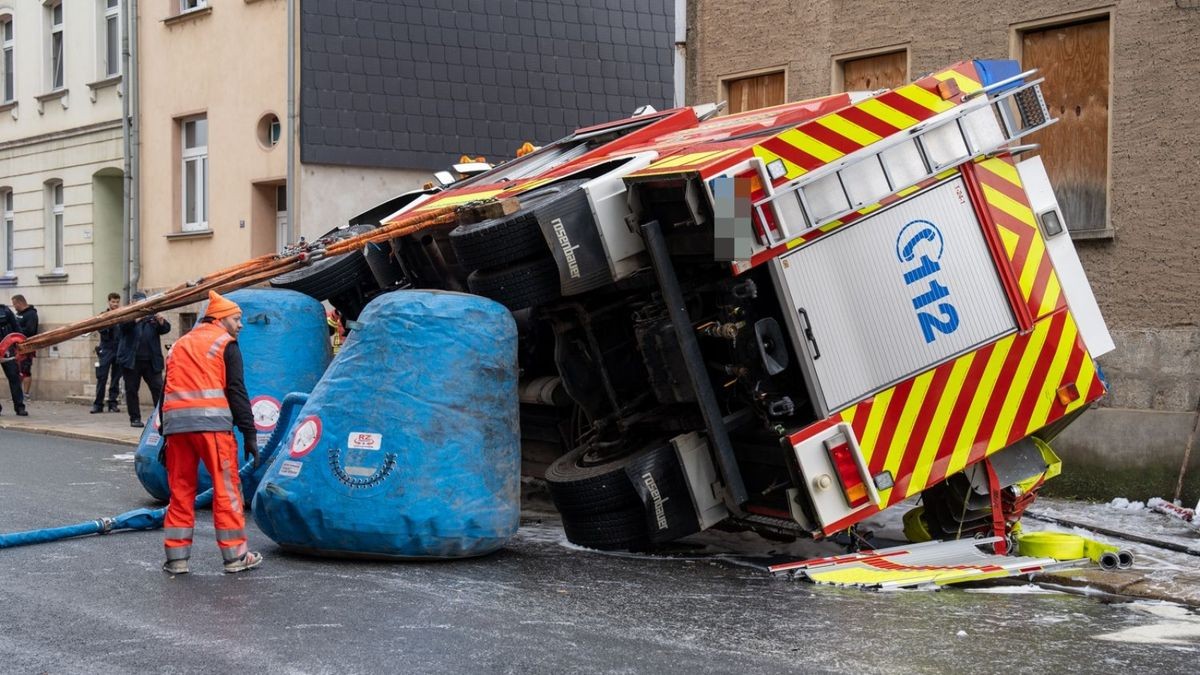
(219, 307)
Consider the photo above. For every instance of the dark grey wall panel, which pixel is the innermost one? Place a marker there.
(416, 83)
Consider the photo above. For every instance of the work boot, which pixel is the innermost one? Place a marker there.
(175, 567)
(248, 561)
(22, 413)
(136, 423)
(97, 408)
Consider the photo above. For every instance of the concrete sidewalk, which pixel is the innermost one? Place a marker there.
(73, 421)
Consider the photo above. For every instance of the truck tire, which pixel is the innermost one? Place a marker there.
(580, 487)
(599, 505)
(328, 277)
(504, 240)
(589, 490)
(524, 284)
(619, 530)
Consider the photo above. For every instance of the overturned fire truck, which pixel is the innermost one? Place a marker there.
(783, 320)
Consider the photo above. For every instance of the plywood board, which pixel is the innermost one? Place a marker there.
(759, 91)
(882, 71)
(1074, 61)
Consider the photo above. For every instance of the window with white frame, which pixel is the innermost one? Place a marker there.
(55, 62)
(8, 269)
(195, 173)
(110, 38)
(55, 247)
(189, 5)
(6, 54)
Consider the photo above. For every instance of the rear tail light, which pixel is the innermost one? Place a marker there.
(853, 486)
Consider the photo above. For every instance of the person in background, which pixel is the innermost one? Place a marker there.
(140, 356)
(337, 331)
(27, 317)
(9, 325)
(106, 363)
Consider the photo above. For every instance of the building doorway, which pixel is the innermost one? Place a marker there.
(108, 254)
(281, 220)
(268, 217)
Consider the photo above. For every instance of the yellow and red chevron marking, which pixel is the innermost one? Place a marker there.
(467, 195)
(941, 421)
(1007, 209)
(690, 162)
(832, 136)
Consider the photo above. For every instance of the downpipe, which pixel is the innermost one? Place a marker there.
(133, 244)
(290, 186)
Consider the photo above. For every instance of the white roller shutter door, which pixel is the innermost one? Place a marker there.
(872, 326)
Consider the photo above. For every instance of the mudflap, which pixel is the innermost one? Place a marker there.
(574, 240)
(660, 483)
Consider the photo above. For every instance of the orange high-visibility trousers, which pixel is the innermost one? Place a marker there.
(218, 450)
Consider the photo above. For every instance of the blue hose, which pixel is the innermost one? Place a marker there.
(152, 519)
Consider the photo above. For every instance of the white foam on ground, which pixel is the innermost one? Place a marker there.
(1177, 627)
(1126, 505)
(1027, 589)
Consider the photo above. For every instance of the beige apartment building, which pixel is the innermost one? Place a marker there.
(212, 162)
(61, 172)
(1120, 77)
(213, 153)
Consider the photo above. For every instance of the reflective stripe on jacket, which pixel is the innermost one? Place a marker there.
(194, 393)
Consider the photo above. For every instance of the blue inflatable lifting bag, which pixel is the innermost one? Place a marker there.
(285, 348)
(409, 445)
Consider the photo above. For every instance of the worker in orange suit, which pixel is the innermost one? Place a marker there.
(204, 398)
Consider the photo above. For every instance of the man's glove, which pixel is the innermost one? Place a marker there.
(250, 447)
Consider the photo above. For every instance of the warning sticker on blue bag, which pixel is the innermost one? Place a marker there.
(306, 436)
(290, 469)
(361, 440)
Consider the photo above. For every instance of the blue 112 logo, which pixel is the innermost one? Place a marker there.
(921, 241)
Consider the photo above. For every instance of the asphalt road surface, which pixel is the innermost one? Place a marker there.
(101, 604)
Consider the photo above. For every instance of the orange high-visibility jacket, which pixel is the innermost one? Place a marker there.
(194, 394)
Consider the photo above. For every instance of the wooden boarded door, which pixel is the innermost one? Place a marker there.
(881, 71)
(759, 91)
(1074, 60)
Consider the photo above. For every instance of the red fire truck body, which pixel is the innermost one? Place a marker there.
(788, 319)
